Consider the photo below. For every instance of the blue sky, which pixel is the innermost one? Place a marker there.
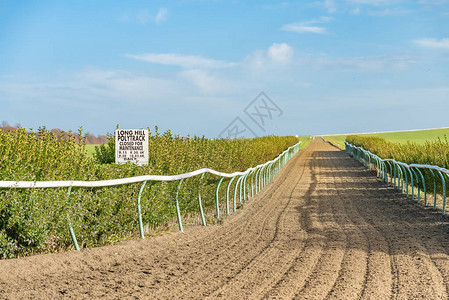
(194, 66)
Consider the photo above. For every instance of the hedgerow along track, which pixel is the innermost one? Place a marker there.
(325, 228)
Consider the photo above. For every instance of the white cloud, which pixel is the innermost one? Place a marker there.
(202, 79)
(433, 2)
(118, 82)
(374, 2)
(276, 56)
(280, 52)
(306, 26)
(300, 28)
(206, 73)
(362, 63)
(208, 82)
(321, 20)
(129, 98)
(433, 43)
(279, 69)
(161, 16)
(91, 89)
(144, 16)
(390, 12)
(356, 11)
(184, 61)
(330, 5)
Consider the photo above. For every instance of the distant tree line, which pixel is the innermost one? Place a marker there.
(91, 138)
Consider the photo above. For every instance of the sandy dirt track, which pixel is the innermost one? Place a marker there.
(325, 228)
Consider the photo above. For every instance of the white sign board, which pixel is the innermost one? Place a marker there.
(131, 145)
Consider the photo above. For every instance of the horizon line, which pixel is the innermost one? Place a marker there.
(376, 132)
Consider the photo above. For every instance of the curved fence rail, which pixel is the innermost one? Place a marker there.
(252, 180)
(402, 176)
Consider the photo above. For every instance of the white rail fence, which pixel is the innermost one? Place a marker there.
(251, 180)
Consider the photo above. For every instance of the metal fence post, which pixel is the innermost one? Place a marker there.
(139, 210)
(203, 220)
(178, 212)
(72, 232)
(216, 197)
(227, 194)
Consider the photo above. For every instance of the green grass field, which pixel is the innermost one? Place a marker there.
(305, 140)
(90, 149)
(419, 136)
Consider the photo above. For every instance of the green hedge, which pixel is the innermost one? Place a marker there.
(430, 153)
(36, 220)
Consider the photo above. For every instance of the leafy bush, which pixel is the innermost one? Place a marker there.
(429, 153)
(36, 220)
(105, 154)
